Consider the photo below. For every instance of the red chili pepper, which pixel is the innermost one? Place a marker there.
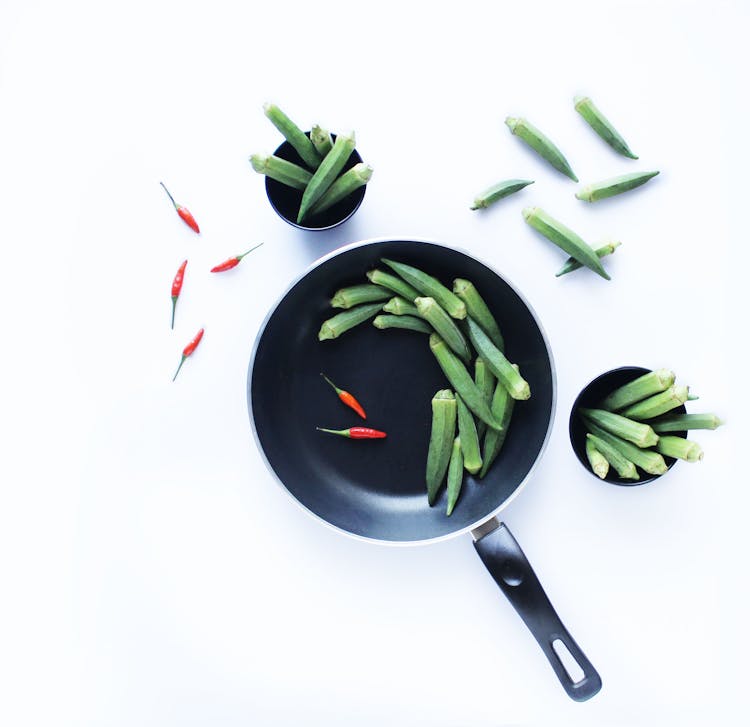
(177, 287)
(233, 262)
(356, 433)
(183, 212)
(347, 398)
(188, 350)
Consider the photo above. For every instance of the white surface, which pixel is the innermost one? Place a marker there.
(153, 573)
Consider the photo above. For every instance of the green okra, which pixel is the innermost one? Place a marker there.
(326, 173)
(321, 140)
(467, 431)
(679, 448)
(542, 145)
(641, 388)
(409, 323)
(357, 294)
(503, 369)
(397, 306)
(444, 326)
(572, 264)
(478, 310)
(636, 432)
(348, 182)
(441, 441)
(601, 125)
(281, 170)
(657, 404)
(485, 380)
(459, 377)
(334, 327)
(498, 191)
(397, 285)
(623, 466)
(293, 134)
(598, 462)
(682, 422)
(455, 475)
(648, 460)
(429, 286)
(614, 185)
(564, 238)
(502, 408)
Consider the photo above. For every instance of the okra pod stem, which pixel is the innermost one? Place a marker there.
(334, 327)
(613, 186)
(572, 264)
(478, 310)
(596, 459)
(564, 238)
(502, 408)
(661, 403)
(601, 125)
(680, 448)
(681, 422)
(623, 466)
(441, 441)
(503, 369)
(429, 286)
(444, 326)
(485, 380)
(641, 388)
(541, 144)
(455, 475)
(321, 140)
(648, 460)
(293, 134)
(397, 306)
(409, 323)
(281, 170)
(467, 431)
(357, 294)
(348, 182)
(397, 285)
(498, 191)
(642, 435)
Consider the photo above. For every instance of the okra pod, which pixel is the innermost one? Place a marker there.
(597, 460)
(541, 144)
(467, 431)
(397, 306)
(601, 125)
(657, 404)
(681, 422)
(459, 377)
(503, 369)
(478, 310)
(358, 294)
(409, 323)
(648, 460)
(485, 380)
(623, 466)
(347, 183)
(572, 264)
(441, 441)
(334, 327)
(636, 432)
(680, 448)
(502, 408)
(455, 475)
(641, 388)
(615, 185)
(321, 140)
(293, 134)
(281, 170)
(429, 286)
(444, 326)
(498, 191)
(326, 173)
(397, 285)
(564, 238)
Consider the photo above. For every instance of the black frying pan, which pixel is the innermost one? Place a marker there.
(375, 489)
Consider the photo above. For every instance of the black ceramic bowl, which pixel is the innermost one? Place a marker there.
(590, 397)
(286, 200)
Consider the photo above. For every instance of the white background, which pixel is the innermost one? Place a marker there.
(153, 573)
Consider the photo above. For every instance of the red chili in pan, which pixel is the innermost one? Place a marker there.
(183, 212)
(177, 287)
(188, 350)
(233, 262)
(356, 432)
(347, 398)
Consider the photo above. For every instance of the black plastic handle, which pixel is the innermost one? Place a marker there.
(507, 564)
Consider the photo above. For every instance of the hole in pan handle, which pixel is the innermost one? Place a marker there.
(513, 573)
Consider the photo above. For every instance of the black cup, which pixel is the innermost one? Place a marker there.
(590, 397)
(286, 200)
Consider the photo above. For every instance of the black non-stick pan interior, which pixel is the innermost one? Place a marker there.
(376, 489)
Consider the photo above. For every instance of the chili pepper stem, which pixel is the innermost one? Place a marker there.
(336, 388)
(239, 257)
(169, 195)
(179, 367)
(174, 306)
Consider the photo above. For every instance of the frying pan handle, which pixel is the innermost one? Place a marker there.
(507, 564)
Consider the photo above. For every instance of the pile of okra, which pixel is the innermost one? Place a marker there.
(467, 343)
(633, 428)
